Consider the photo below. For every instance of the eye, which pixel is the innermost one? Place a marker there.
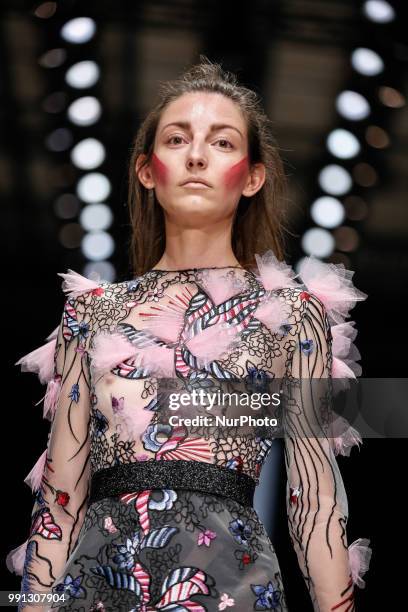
(172, 138)
(224, 140)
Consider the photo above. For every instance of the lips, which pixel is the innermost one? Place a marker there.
(195, 182)
(195, 185)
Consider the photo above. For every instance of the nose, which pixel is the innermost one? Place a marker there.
(196, 159)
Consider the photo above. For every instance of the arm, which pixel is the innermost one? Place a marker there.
(315, 496)
(61, 498)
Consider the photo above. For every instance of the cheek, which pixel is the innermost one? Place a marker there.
(159, 170)
(235, 175)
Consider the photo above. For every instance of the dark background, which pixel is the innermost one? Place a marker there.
(297, 56)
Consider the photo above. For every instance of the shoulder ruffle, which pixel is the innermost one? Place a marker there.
(74, 284)
(332, 284)
(272, 273)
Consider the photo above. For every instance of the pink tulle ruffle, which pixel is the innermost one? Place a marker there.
(75, 284)
(166, 321)
(345, 355)
(53, 334)
(16, 558)
(40, 361)
(272, 312)
(274, 274)
(359, 554)
(51, 397)
(212, 342)
(332, 284)
(109, 349)
(344, 437)
(33, 479)
(112, 348)
(220, 286)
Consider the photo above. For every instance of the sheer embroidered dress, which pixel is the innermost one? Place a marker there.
(132, 513)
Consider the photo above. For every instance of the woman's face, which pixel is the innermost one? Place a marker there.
(201, 136)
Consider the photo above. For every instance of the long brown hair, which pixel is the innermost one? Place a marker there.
(258, 223)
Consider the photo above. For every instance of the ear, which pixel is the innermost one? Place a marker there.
(144, 173)
(255, 181)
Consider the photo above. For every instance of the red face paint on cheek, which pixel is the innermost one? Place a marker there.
(159, 170)
(233, 177)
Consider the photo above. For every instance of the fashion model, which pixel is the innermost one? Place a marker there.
(135, 511)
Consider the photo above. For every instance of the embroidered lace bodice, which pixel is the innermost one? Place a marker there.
(196, 326)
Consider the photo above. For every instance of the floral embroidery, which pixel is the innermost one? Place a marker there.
(71, 586)
(206, 537)
(74, 393)
(225, 602)
(268, 597)
(305, 296)
(307, 346)
(98, 291)
(240, 530)
(62, 498)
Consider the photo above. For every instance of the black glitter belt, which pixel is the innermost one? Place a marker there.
(172, 474)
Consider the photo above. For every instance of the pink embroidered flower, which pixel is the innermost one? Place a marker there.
(98, 291)
(142, 457)
(62, 498)
(206, 537)
(109, 525)
(226, 602)
(130, 304)
(155, 295)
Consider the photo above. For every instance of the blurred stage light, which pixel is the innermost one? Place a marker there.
(335, 179)
(59, 140)
(96, 217)
(88, 154)
(347, 239)
(364, 175)
(53, 58)
(97, 245)
(327, 212)
(85, 111)
(391, 97)
(55, 102)
(66, 206)
(78, 30)
(93, 187)
(83, 74)
(100, 271)
(377, 137)
(343, 144)
(379, 11)
(366, 61)
(71, 235)
(352, 105)
(45, 10)
(356, 208)
(318, 242)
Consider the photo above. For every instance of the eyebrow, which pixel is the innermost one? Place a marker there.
(186, 125)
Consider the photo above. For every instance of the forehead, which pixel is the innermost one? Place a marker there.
(202, 108)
